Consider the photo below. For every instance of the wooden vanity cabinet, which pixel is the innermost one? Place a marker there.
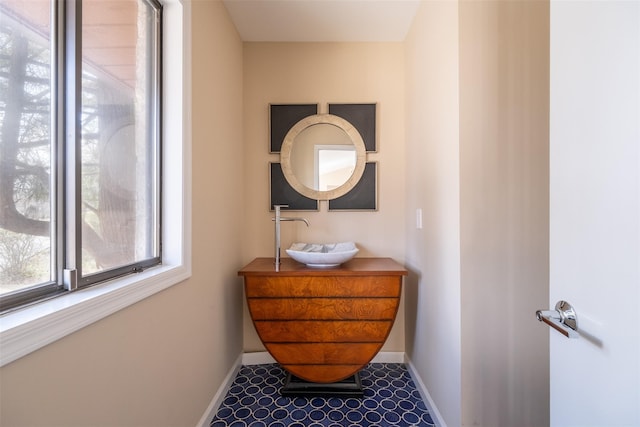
(323, 325)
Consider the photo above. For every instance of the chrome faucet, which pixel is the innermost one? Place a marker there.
(277, 220)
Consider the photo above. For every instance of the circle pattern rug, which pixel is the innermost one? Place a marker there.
(390, 399)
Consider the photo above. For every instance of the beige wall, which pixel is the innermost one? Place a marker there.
(432, 170)
(159, 362)
(504, 211)
(323, 73)
(477, 164)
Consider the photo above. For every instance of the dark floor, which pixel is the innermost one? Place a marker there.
(390, 399)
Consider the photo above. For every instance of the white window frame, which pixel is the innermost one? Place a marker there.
(25, 330)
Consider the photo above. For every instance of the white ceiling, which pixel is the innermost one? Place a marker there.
(322, 20)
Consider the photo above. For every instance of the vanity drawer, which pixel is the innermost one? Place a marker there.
(323, 308)
(323, 331)
(322, 286)
(322, 354)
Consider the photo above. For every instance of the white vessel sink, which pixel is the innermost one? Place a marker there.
(322, 255)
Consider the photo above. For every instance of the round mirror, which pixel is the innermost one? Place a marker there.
(323, 156)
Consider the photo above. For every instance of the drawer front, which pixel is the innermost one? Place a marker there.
(322, 286)
(323, 308)
(301, 331)
(323, 354)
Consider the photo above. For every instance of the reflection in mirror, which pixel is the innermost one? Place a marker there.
(334, 165)
(323, 157)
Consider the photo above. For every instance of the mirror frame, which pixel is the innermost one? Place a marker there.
(287, 146)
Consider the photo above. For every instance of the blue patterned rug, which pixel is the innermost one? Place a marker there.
(390, 399)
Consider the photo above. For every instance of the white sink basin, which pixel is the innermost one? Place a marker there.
(322, 255)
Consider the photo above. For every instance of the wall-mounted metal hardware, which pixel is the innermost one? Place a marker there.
(563, 319)
(278, 218)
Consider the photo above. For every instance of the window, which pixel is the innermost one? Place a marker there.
(80, 138)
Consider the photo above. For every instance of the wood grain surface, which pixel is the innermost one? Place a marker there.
(323, 325)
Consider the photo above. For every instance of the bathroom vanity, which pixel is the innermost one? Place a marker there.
(323, 324)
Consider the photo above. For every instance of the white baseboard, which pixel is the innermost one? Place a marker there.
(257, 358)
(205, 421)
(424, 393)
(389, 357)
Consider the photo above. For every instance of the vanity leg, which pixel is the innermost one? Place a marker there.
(349, 387)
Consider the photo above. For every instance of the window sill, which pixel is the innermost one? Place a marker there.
(26, 330)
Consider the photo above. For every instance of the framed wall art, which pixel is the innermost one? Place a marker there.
(282, 193)
(363, 118)
(282, 117)
(364, 196)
